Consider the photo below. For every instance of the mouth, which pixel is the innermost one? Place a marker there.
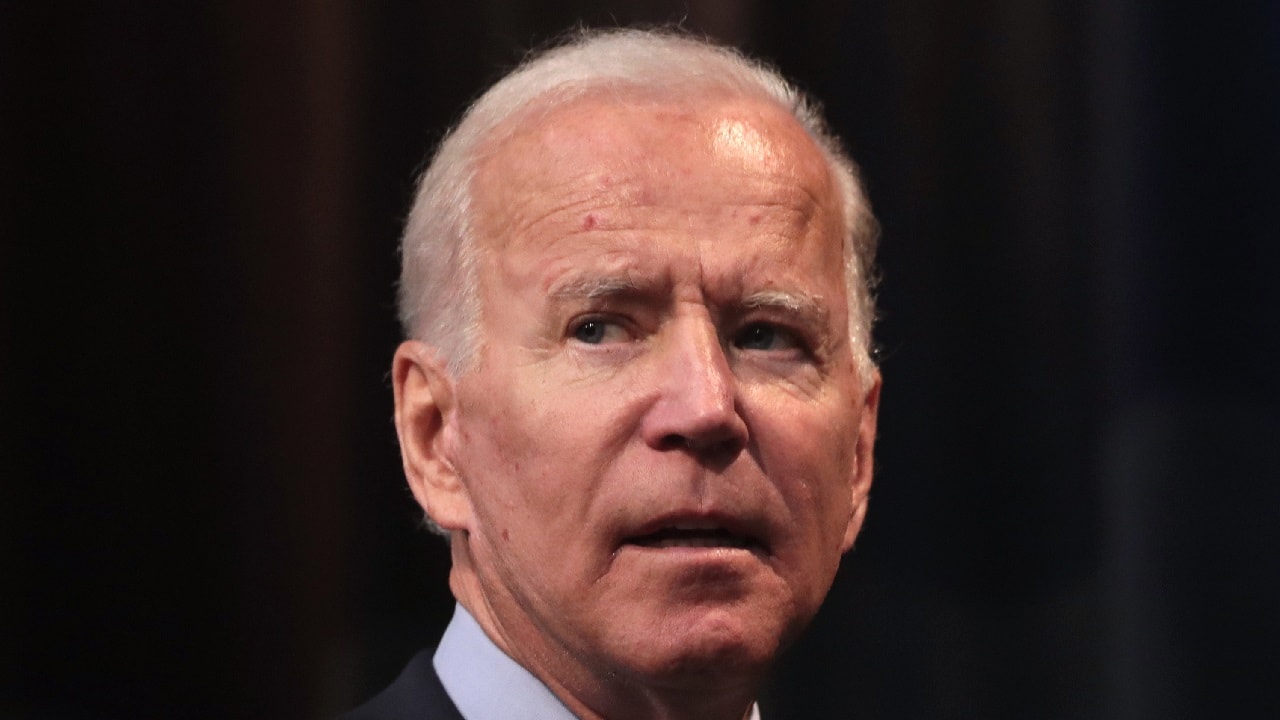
(695, 535)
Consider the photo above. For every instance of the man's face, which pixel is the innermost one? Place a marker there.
(665, 447)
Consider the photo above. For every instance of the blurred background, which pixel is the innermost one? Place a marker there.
(202, 513)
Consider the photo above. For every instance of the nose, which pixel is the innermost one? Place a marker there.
(697, 406)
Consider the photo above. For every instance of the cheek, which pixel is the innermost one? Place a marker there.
(497, 466)
(527, 468)
(808, 453)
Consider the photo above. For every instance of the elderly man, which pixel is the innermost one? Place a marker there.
(637, 397)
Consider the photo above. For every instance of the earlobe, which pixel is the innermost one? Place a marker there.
(864, 460)
(425, 423)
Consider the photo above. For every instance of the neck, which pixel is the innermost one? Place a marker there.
(595, 692)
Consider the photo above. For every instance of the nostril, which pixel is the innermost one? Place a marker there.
(673, 442)
(713, 452)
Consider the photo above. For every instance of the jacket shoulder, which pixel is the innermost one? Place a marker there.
(415, 695)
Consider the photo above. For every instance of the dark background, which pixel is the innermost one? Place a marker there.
(201, 508)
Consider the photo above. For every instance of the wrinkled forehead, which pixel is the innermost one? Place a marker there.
(616, 143)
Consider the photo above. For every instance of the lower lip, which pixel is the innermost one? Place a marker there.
(690, 551)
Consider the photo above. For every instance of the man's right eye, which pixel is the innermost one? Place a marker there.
(597, 331)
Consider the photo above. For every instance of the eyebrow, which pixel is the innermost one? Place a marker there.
(803, 305)
(806, 306)
(594, 287)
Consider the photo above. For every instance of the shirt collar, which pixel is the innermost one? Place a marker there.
(483, 682)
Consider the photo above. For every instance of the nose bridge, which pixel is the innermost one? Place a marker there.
(702, 366)
(698, 404)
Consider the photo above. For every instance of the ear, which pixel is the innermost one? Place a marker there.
(426, 421)
(863, 460)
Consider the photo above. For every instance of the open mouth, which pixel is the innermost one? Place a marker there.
(694, 537)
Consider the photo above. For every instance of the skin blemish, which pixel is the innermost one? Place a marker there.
(506, 535)
(754, 219)
(589, 222)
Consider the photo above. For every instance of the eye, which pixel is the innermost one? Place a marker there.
(597, 331)
(766, 337)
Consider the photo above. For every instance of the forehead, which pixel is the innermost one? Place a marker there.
(606, 141)
(636, 170)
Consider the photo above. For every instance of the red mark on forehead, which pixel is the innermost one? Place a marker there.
(754, 219)
(589, 221)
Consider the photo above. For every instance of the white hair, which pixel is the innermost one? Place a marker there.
(439, 298)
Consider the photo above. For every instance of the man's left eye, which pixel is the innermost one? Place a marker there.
(597, 331)
(763, 336)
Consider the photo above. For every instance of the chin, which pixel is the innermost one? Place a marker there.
(697, 647)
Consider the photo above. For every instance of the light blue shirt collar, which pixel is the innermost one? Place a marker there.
(485, 684)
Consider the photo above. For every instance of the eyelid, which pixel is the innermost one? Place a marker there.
(577, 322)
(792, 337)
(795, 340)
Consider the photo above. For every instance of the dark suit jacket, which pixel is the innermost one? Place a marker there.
(416, 695)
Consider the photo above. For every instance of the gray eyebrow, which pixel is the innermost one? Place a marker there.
(594, 287)
(805, 305)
